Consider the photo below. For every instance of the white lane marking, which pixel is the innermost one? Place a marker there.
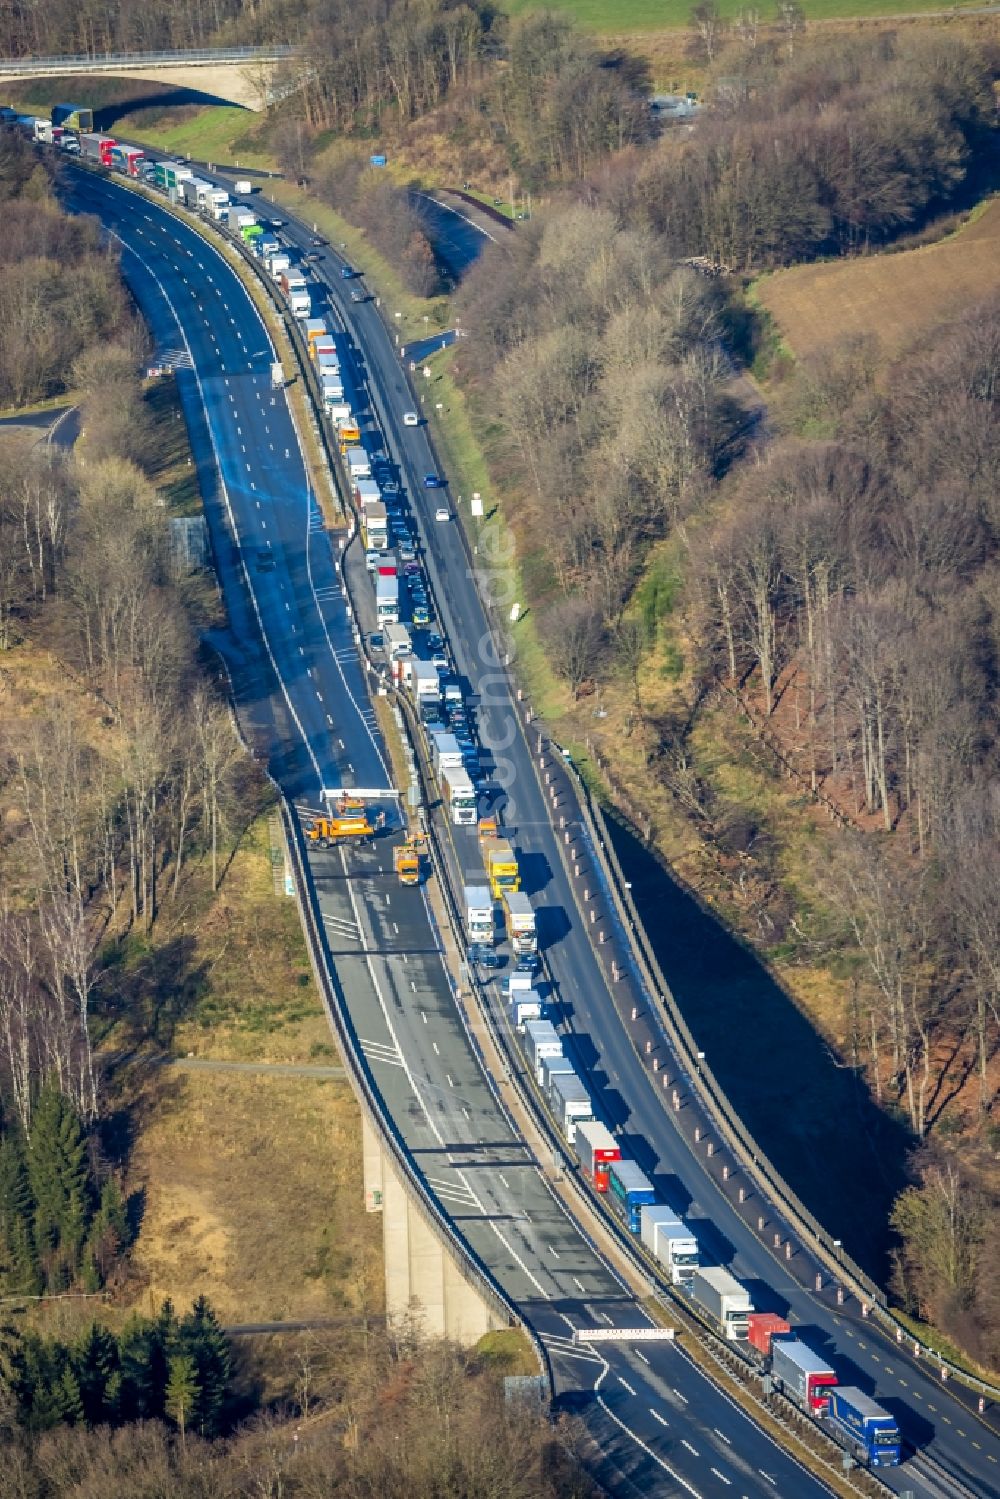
(579, 1285)
(504, 1180)
(722, 1434)
(626, 1385)
(435, 1046)
(448, 1080)
(644, 1446)
(552, 1250)
(518, 1261)
(657, 1417)
(727, 1481)
(693, 1450)
(639, 1354)
(678, 1394)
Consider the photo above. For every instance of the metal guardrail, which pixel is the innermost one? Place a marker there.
(754, 1159)
(93, 61)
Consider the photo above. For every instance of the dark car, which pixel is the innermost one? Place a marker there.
(528, 962)
(311, 256)
(485, 956)
(316, 239)
(412, 570)
(435, 643)
(433, 481)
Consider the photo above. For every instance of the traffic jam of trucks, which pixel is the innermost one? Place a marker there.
(497, 912)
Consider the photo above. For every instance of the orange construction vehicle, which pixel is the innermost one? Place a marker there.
(349, 822)
(408, 861)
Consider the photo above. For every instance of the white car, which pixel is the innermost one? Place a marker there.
(442, 513)
(411, 419)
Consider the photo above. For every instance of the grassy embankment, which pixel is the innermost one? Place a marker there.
(897, 297)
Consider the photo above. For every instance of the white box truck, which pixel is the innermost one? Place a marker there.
(670, 1242)
(519, 919)
(445, 752)
(459, 796)
(541, 1039)
(524, 1005)
(570, 1103)
(358, 463)
(478, 913)
(726, 1301)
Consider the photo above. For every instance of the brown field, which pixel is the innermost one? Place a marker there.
(896, 298)
(253, 1197)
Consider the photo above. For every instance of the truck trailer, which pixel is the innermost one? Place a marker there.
(168, 175)
(629, 1191)
(501, 867)
(541, 1039)
(387, 600)
(519, 919)
(73, 117)
(858, 1423)
(726, 1301)
(596, 1148)
(570, 1102)
(478, 913)
(459, 797)
(128, 160)
(97, 147)
(802, 1375)
(670, 1242)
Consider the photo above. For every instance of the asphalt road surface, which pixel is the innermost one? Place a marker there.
(657, 1419)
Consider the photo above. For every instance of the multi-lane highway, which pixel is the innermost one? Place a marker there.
(299, 678)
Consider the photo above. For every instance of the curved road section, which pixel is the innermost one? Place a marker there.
(296, 672)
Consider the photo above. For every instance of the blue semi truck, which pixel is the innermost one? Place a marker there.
(630, 1191)
(863, 1427)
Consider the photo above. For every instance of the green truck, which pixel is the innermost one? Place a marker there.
(169, 175)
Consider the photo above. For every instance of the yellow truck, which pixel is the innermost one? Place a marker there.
(408, 861)
(501, 868)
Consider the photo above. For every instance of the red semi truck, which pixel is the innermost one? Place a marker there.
(98, 148)
(596, 1147)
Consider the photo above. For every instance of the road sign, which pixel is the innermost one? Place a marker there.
(623, 1335)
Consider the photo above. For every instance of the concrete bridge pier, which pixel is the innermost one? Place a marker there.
(422, 1277)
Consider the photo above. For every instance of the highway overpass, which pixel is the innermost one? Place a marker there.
(238, 75)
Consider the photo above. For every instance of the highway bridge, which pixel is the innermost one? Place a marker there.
(238, 75)
(660, 1424)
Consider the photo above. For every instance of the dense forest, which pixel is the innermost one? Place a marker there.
(355, 1412)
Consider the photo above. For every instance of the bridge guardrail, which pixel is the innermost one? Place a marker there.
(198, 57)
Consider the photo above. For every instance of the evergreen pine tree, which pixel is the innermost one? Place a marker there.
(19, 1268)
(203, 1340)
(182, 1391)
(67, 1395)
(107, 1237)
(60, 1182)
(96, 1362)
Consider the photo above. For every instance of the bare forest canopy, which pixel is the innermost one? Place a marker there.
(107, 786)
(845, 584)
(355, 1412)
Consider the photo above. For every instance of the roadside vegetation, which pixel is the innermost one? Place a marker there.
(771, 628)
